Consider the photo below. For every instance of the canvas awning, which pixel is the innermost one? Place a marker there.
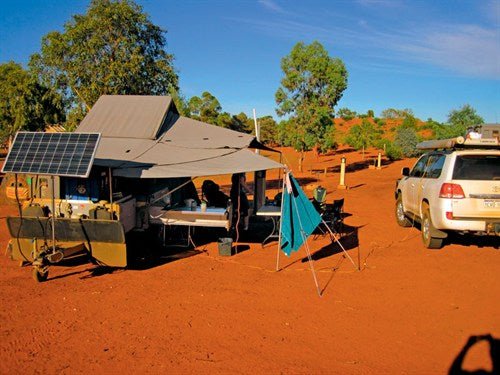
(147, 159)
(135, 143)
(224, 162)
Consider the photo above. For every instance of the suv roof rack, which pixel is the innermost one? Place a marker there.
(459, 142)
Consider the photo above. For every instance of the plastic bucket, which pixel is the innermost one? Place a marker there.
(225, 245)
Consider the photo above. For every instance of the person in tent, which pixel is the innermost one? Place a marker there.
(239, 191)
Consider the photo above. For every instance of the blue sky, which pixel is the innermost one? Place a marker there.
(429, 56)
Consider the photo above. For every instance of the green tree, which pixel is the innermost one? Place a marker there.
(409, 121)
(346, 113)
(207, 109)
(268, 130)
(24, 103)
(312, 85)
(181, 103)
(113, 48)
(363, 136)
(224, 120)
(393, 113)
(285, 136)
(242, 123)
(462, 118)
(439, 131)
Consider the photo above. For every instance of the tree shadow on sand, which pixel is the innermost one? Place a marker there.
(359, 165)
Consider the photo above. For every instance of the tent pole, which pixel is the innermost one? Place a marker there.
(304, 239)
(308, 252)
(342, 247)
(279, 230)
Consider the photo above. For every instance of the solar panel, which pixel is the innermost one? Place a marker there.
(58, 154)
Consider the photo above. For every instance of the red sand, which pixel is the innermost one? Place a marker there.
(409, 310)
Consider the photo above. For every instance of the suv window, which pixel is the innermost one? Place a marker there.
(419, 168)
(429, 166)
(435, 163)
(477, 167)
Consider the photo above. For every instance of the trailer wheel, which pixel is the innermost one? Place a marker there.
(40, 275)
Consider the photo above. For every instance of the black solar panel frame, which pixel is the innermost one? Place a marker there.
(56, 154)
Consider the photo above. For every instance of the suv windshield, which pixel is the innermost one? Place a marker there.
(477, 167)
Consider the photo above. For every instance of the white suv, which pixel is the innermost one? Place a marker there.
(454, 187)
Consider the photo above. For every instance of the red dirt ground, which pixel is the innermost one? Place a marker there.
(408, 310)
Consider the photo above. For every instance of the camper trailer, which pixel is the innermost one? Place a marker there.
(141, 175)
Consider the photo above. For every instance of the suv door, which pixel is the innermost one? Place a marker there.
(425, 186)
(409, 193)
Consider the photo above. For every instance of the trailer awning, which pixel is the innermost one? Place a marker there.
(225, 162)
(138, 142)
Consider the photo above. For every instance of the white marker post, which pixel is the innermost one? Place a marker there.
(342, 184)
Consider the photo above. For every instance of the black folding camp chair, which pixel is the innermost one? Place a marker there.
(332, 216)
(337, 216)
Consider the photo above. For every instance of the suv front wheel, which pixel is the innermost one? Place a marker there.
(427, 228)
(400, 213)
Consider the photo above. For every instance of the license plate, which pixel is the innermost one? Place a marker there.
(491, 203)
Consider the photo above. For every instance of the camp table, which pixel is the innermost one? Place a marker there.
(274, 212)
(186, 216)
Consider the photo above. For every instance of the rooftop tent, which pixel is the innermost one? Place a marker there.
(139, 140)
(128, 116)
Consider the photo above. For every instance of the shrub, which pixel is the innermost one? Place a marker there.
(406, 139)
(393, 152)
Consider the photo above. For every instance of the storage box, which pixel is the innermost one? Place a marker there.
(225, 245)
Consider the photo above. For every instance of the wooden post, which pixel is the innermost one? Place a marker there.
(379, 161)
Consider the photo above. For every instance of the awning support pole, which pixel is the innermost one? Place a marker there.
(279, 233)
(111, 192)
(53, 215)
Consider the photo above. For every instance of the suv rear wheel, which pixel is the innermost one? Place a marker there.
(427, 228)
(400, 213)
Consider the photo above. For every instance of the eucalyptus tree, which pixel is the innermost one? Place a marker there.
(363, 136)
(462, 118)
(312, 84)
(113, 48)
(24, 103)
(205, 108)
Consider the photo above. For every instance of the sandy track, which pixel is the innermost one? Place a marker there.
(409, 310)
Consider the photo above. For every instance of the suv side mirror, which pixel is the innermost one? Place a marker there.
(405, 171)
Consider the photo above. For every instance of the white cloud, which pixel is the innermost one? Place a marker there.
(271, 5)
(466, 49)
